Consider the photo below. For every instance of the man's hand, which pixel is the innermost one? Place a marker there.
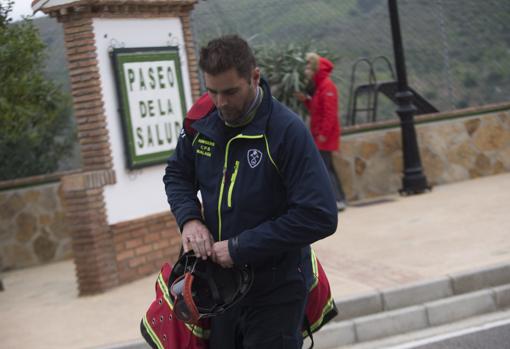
(322, 138)
(300, 96)
(196, 237)
(221, 255)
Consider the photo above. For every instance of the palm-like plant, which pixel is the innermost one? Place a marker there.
(284, 67)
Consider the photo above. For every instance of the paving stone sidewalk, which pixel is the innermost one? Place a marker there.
(386, 243)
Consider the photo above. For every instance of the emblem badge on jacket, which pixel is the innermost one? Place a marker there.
(254, 157)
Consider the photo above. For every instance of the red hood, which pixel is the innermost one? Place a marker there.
(325, 68)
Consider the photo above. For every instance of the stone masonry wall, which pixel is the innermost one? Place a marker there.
(452, 149)
(32, 228)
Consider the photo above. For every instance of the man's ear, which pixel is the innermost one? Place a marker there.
(255, 76)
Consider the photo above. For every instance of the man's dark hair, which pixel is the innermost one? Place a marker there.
(225, 53)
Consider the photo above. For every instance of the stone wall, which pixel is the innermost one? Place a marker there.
(32, 228)
(453, 147)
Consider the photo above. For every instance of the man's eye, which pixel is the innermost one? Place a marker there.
(230, 92)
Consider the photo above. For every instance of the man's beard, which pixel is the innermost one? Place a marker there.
(231, 114)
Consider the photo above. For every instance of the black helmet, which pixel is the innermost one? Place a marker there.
(201, 288)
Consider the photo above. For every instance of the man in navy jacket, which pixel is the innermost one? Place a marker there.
(265, 197)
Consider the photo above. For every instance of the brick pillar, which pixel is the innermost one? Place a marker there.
(93, 245)
(87, 96)
(192, 57)
(95, 250)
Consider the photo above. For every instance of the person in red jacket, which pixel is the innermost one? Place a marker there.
(322, 105)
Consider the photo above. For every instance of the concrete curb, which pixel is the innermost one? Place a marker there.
(413, 318)
(479, 279)
(418, 306)
(425, 291)
(460, 307)
(389, 323)
(417, 293)
(502, 295)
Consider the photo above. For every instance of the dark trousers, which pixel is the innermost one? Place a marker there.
(333, 178)
(275, 326)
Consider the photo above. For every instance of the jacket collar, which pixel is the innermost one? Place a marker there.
(213, 127)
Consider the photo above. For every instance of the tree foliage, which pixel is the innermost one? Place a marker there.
(33, 111)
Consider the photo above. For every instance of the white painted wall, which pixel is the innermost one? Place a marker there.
(137, 193)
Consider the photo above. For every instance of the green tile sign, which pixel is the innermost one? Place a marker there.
(151, 102)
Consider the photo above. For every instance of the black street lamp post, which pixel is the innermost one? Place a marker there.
(413, 181)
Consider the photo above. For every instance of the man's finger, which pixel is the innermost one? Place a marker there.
(203, 250)
(199, 251)
(185, 244)
(208, 247)
(196, 248)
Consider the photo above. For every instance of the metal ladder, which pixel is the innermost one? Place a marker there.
(372, 90)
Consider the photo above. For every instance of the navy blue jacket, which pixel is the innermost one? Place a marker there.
(265, 189)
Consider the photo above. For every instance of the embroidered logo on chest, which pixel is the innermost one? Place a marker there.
(254, 157)
(204, 147)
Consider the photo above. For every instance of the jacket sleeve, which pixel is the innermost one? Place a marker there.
(328, 107)
(311, 210)
(180, 185)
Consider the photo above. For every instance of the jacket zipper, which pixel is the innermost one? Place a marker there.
(232, 182)
(222, 184)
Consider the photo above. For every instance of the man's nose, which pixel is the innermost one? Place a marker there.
(222, 100)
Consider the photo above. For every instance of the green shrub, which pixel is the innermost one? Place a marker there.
(34, 123)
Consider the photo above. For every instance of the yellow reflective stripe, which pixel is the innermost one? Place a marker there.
(196, 137)
(269, 154)
(219, 203)
(315, 269)
(198, 331)
(164, 290)
(153, 335)
(232, 182)
(327, 308)
(222, 185)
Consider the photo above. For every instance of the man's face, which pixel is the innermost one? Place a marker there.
(231, 93)
(308, 70)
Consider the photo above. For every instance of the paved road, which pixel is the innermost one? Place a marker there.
(494, 335)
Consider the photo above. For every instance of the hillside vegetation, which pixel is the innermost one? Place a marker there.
(457, 51)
